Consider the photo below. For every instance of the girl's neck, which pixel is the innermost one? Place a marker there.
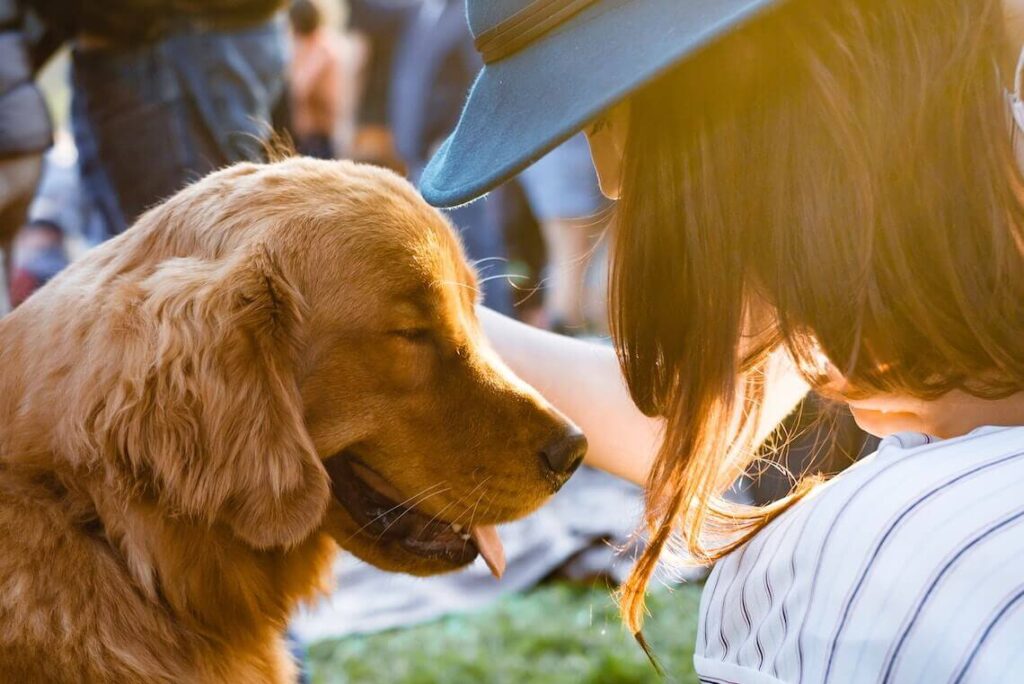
(951, 415)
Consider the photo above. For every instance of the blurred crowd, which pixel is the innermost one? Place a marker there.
(156, 94)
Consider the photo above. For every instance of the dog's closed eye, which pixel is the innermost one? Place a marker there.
(417, 335)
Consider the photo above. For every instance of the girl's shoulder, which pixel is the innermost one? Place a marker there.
(906, 563)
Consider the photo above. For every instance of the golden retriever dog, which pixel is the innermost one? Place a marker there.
(279, 360)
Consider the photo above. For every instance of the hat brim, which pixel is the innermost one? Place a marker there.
(525, 105)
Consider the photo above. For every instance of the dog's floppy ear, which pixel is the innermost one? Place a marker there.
(208, 412)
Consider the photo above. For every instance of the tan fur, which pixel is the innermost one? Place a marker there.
(167, 403)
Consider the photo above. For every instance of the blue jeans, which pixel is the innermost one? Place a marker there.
(480, 226)
(148, 120)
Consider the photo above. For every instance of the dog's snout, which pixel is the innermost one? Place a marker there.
(564, 454)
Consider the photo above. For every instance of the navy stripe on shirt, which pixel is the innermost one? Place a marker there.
(1008, 605)
(896, 523)
(919, 608)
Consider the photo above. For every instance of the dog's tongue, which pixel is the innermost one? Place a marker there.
(489, 543)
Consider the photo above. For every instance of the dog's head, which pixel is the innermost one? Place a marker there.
(292, 348)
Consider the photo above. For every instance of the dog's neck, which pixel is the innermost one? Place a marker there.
(205, 576)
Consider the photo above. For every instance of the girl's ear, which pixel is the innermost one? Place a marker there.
(208, 408)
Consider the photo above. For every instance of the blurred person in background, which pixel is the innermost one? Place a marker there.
(431, 59)
(565, 199)
(39, 254)
(163, 95)
(433, 65)
(61, 223)
(315, 80)
(25, 132)
(376, 27)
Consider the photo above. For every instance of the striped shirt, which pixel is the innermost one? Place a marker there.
(909, 567)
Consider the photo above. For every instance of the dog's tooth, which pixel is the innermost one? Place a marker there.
(465, 537)
(456, 527)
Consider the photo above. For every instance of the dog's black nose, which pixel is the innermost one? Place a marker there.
(564, 454)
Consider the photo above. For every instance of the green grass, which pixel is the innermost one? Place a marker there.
(557, 634)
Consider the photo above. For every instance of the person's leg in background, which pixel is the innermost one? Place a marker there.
(563, 193)
(480, 226)
(429, 77)
(234, 80)
(25, 132)
(18, 179)
(571, 244)
(151, 118)
(39, 255)
(128, 120)
(60, 223)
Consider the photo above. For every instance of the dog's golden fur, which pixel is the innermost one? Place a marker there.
(167, 405)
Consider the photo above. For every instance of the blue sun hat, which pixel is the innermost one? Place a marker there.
(551, 66)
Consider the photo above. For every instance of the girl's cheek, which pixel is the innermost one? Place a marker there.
(882, 424)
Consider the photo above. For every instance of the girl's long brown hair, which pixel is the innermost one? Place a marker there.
(836, 178)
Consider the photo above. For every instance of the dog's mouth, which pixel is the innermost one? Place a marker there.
(386, 517)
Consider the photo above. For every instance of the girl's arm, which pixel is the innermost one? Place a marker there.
(583, 380)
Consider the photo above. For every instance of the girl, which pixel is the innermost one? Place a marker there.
(826, 182)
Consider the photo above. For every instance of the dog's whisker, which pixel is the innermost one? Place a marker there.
(457, 501)
(410, 503)
(408, 509)
(485, 260)
(447, 506)
(487, 509)
(409, 500)
(399, 505)
(472, 516)
(480, 498)
(498, 276)
(531, 291)
(458, 284)
(461, 498)
(479, 484)
(441, 512)
(508, 276)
